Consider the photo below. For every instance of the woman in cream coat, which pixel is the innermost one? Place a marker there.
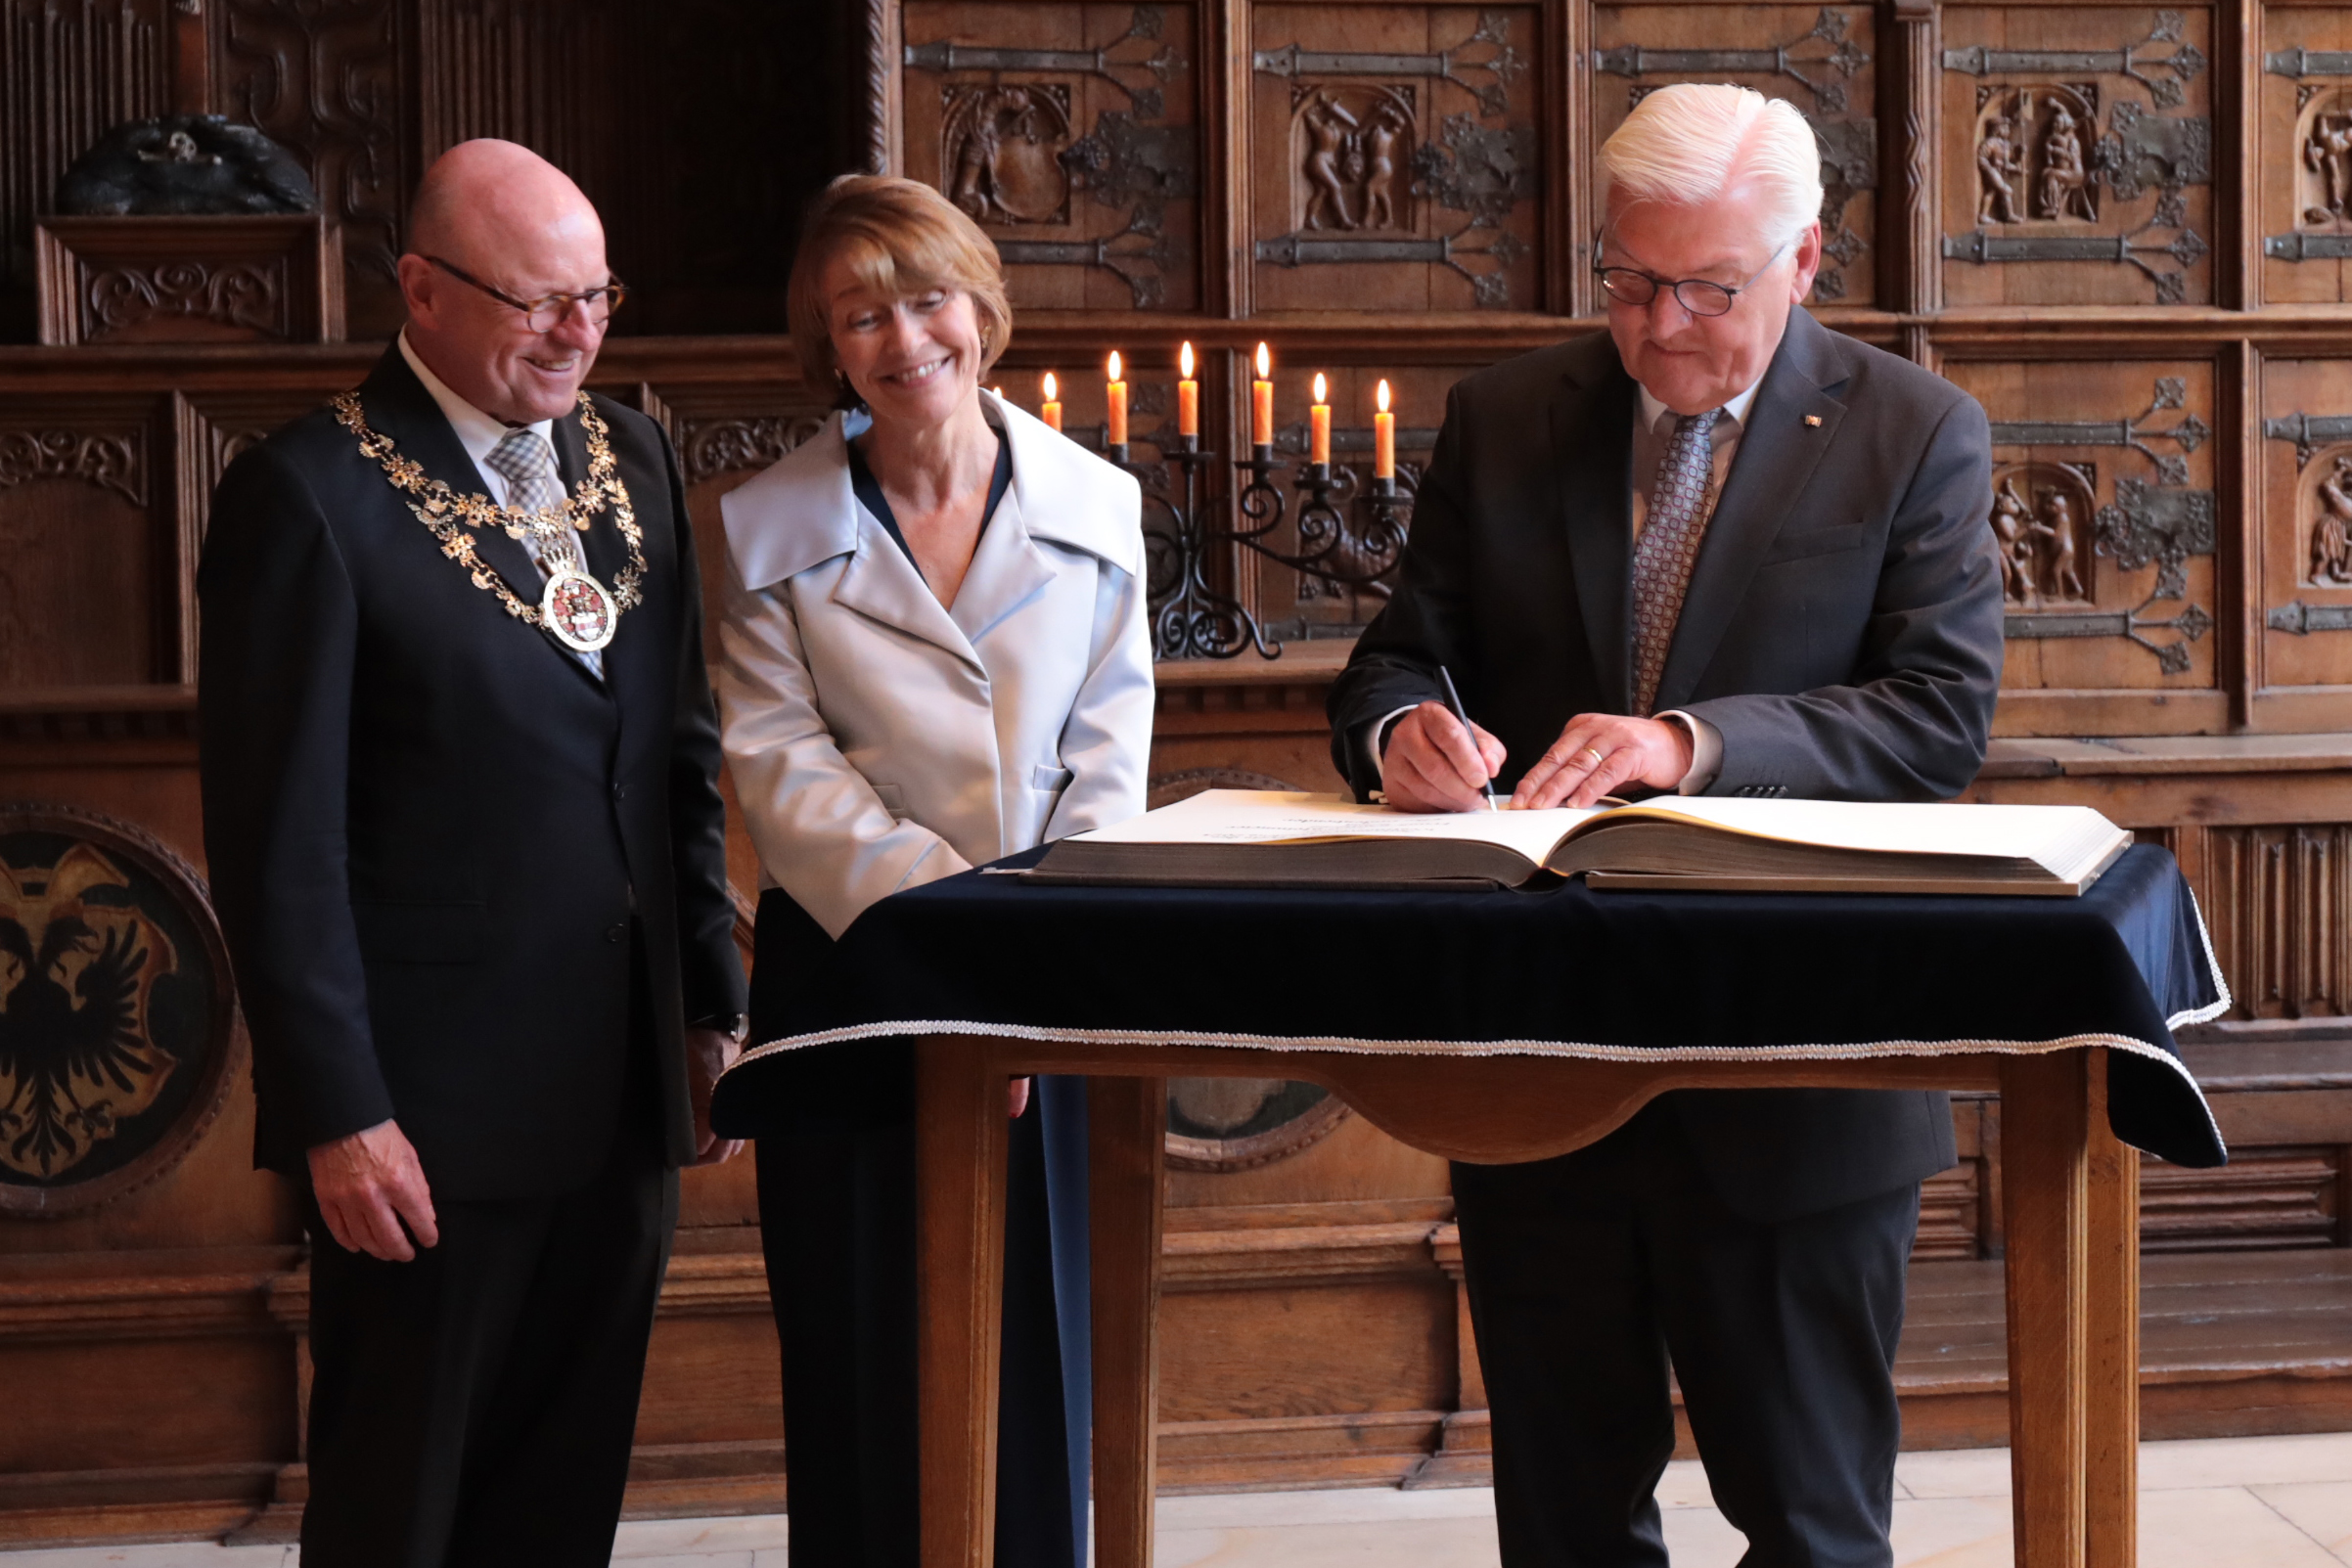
(935, 655)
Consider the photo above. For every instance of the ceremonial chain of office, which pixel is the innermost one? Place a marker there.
(448, 514)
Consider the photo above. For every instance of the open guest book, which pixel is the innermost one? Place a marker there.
(1268, 838)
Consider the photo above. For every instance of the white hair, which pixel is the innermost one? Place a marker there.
(1691, 143)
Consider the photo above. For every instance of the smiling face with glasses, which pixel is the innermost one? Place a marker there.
(506, 290)
(1697, 300)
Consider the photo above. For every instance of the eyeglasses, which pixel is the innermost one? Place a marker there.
(542, 314)
(1631, 286)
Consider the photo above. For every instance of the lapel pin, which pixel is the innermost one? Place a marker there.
(1812, 421)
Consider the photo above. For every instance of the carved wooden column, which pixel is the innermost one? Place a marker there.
(1910, 225)
(1465, 1447)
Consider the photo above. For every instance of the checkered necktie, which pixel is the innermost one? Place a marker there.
(524, 459)
(1669, 544)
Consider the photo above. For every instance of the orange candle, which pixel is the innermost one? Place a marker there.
(1050, 409)
(1319, 424)
(1117, 390)
(1384, 437)
(1261, 400)
(1188, 396)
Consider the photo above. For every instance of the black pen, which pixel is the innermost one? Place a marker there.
(1453, 705)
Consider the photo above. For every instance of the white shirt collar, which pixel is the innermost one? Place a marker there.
(477, 432)
(1737, 409)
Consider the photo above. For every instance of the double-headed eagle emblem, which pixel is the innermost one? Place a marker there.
(78, 963)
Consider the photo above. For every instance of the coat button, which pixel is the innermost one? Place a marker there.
(614, 933)
(620, 791)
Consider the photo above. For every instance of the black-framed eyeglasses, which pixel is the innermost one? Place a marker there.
(542, 314)
(1631, 286)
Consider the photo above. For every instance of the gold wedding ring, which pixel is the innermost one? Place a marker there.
(1594, 754)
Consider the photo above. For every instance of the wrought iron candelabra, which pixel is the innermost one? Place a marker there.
(1191, 616)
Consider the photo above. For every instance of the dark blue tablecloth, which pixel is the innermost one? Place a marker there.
(1566, 972)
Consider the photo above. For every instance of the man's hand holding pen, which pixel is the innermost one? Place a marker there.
(1433, 762)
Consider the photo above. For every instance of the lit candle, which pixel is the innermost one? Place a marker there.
(1384, 437)
(1319, 424)
(1050, 409)
(1261, 400)
(1118, 403)
(1188, 396)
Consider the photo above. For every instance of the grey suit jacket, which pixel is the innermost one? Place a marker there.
(1841, 630)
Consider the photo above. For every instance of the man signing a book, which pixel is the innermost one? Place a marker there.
(1716, 550)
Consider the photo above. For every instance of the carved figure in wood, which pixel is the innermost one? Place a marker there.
(2065, 187)
(1380, 139)
(2331, 531)
(1001, 150)
(2055, 529)
(185, 163)
(1998, 162)
(2328, 154)
(2012, 524)
(1330, 137)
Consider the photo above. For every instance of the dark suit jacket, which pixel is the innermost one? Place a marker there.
(432, 830)
(1841, 630)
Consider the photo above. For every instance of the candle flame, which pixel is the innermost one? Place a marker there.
(1320, 395)
(1114, 364)
(1183, 358)
(1053, 389)
(1383, 395)
(1265, 362)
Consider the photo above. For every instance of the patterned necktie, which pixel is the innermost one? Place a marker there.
(524, 459)
(1669, 544)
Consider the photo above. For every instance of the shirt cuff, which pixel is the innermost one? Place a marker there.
(1706, 751)
(1370, 739)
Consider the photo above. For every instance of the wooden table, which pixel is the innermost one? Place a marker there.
(2070, 1194)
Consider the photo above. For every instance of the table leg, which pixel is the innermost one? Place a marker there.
(959, 1204)
(2112, 1411)
(1128, 1122)
(2044, 1122)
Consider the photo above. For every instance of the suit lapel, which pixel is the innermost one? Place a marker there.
(1777, 454)
(1592, 434)
(881, 584)
(1007, 569)
(397, 405)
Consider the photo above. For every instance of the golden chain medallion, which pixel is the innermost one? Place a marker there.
(576, 609)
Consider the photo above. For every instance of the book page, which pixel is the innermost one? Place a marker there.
(1278, 817)
(2044, 834)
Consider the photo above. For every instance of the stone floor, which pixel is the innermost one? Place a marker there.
(2244, 1502)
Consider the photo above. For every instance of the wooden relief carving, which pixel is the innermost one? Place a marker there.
(70, 69)
(1408, 163)
(741, 445)
(111, 462)
(323, 78)
(2306, 577)
(115, 1018)
(2080, 144)
(2304, 167)
(1067, 134)
(1238, 1124)
(1817, 59)
(2106, 538)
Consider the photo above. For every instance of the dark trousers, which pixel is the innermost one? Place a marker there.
(476, 1404)
(837, 1210)
(1590, 1273)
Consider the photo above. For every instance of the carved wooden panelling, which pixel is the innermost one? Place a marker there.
(2306, 538)
(241, 278)
(1069, 131)
(1819, 58)
(2077, 156)
(328, 80)
(2278, 903)
(82, 558)
(2262, 1200)
(68, 69)
(2304, 163)
(1395, 158)
(2103, 511)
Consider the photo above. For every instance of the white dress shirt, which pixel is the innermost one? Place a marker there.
(477, 432)
(1650, 435)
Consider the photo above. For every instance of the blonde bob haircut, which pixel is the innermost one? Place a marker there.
(1693, 143)
(900, 238)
